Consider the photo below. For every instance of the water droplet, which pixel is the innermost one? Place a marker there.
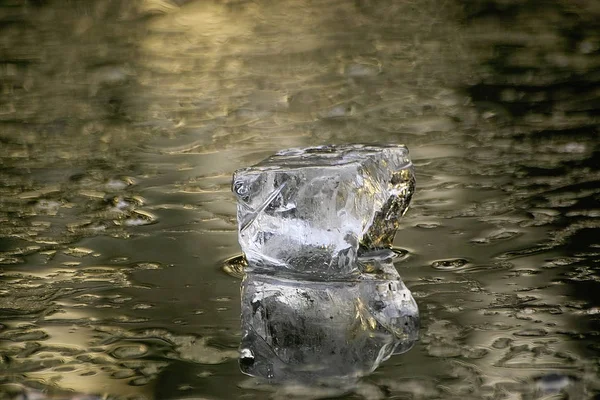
(123, 202)
(502, 343)
(146, 265)
(241, 189)
(235, 266)
(78, 251)
(129, 351)
(138, 218)
(428, 225)
(531, 333)
(452, 264)
(502, 235)
(475, 353)
(142, 306)
(71, 264)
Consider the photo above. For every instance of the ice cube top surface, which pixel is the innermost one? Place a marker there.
(308, 210)
(330, 156)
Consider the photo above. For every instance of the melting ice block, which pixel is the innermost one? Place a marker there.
(312, 210)
(323, 331)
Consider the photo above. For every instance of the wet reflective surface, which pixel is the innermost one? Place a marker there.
(122, 122)
(324, 332)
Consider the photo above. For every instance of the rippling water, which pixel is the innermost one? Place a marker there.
(121, 123)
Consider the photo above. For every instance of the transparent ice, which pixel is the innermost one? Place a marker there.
(314, 210)
(325, 331)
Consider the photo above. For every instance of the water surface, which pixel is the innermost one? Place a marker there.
(121, 123)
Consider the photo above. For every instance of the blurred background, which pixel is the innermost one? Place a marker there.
(121, 123)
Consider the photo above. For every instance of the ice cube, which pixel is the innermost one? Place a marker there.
(312, 210)
(323, 331)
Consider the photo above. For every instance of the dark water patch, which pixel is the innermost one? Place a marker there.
(450, 265)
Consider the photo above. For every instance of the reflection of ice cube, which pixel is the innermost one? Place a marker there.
(308, 210)
(321, 331)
